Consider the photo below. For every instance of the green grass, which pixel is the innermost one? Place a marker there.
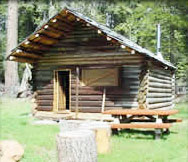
(133, 146)
(16, 123)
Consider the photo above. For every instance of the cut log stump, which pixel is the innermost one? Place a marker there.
(102, 134)
(77, 146)
(102, 131)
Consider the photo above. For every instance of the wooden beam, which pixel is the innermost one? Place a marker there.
(141, 112)
(55, 30)
(77, 90)
(26, 55)
(103, 99)
(21, 59)
(35, 46)
(141, 125)
(50, 33)
(43, 39)
(60, 25)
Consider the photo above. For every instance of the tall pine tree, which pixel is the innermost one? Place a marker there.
(11, 69)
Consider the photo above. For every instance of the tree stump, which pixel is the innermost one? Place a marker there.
(102, 131)
(76, 146)
(102, 134)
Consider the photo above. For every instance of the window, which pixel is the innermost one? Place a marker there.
(100, 77)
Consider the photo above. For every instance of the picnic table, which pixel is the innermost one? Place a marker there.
(138, 118)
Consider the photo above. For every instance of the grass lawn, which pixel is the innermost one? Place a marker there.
(133, 146)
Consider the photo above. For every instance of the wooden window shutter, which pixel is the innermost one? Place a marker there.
(100, 77)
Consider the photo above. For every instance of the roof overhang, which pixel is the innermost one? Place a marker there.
(33, 47)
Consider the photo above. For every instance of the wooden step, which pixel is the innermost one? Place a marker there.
(141, 125)
(141, 112)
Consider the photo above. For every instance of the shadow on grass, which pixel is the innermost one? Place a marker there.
(24, 114)
(140, 134)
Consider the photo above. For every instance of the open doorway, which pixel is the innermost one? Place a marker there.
(61, 91)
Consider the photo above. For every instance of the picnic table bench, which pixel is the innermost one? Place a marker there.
(137, 118)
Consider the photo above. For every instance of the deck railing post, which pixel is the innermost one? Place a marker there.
(77, 90)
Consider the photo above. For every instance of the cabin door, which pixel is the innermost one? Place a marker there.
(61, 90)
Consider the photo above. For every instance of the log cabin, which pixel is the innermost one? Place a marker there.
(81, 65)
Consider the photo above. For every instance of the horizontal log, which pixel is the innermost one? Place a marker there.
(127, 104)
(47, 79)
(128, 70)
(91, 66)
(91, 54)
(43, 73)
(161, 72)
(73, 92)
(159, 100)
(165, 108)
(129, 87)
(129, 76)
(44, 97)
(118, 92)
(153, 79)
(159, 105)
(158, 95)
(88, 110)
(41, 83)
(160, 76)
(44, 108)
(94, 62)
(89, 58)
(160, 85)
(99, 98)
(159, 90)
(45, 92)
(45, 102)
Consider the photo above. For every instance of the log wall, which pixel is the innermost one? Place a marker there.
(85, 48)
(160, 94)
(90, 97)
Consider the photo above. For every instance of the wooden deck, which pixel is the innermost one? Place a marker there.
(72, 115)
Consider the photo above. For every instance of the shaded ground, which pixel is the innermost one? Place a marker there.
(129, 146)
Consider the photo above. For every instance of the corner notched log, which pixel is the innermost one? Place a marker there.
(143, 88)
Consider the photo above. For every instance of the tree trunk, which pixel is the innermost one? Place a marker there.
(76, 146)
(25, 89)
(11, 69)
(102, 131)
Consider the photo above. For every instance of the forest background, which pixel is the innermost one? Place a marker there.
(135, 19)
